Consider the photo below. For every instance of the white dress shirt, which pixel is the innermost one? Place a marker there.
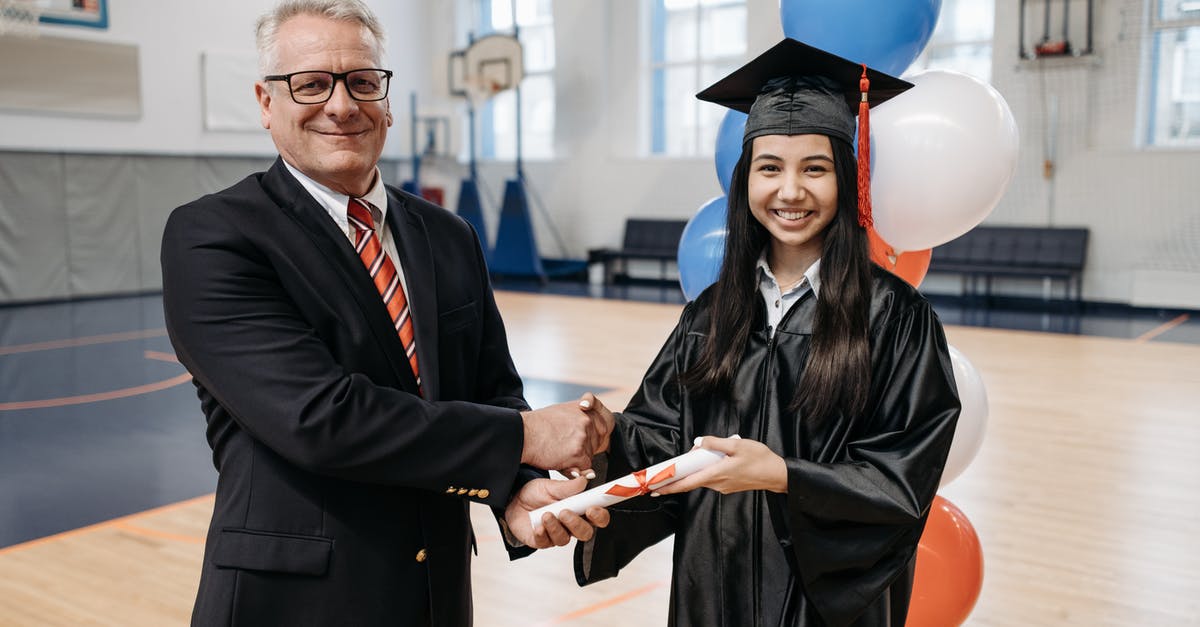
(335, 204)
(780, 299)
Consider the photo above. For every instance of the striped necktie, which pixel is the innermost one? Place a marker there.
(385, 277)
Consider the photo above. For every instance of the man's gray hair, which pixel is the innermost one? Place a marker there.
(267, 29)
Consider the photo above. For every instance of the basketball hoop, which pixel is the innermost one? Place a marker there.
(19, 18)
(487, 67)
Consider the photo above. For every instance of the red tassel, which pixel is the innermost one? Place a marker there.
(864, 153)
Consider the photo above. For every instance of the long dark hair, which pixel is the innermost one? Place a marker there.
(836, 377)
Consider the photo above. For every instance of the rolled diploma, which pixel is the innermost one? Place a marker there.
(632, 485)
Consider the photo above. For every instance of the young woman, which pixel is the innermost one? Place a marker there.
(834, 373)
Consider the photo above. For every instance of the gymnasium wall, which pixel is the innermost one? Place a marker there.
(174, 39)
(83, 198)
(75, 225)
(1139, 203)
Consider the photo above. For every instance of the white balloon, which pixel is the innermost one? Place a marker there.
(943, 154)
(972, 422)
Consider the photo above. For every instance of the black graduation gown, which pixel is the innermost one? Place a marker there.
(839, 548)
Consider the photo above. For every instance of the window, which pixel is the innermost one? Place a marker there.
(691, 44)
(962, 40)
(497, 117)
(1173, 112)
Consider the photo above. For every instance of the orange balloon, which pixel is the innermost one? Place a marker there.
(910, 266)
(949, 572)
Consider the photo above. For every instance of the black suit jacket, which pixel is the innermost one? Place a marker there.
(342, 496)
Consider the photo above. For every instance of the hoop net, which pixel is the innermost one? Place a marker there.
(480, 88)
(19, 18)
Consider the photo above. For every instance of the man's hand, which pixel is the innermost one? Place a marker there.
(552, 531)
(566, 436)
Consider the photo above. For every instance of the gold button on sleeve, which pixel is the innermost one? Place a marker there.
(472, 492)
(462, 491)
(450, 490)
(422, 555)
(483, 494)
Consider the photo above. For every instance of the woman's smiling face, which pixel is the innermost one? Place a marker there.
(793, 192)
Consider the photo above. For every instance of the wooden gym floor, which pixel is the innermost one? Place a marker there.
(1085, 495)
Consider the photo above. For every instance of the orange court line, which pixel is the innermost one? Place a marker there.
(1162, 328)
(99, 396)
(161, 356)
(81, 341)
(104, 524)
(154, 533)
(617, 600)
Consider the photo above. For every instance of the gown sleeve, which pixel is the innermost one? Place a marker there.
(855, 523)
(647, 432)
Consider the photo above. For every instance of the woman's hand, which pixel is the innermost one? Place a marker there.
(600, 434)
(603, 421)
(748, 465)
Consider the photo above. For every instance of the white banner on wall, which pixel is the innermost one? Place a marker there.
(228, 87)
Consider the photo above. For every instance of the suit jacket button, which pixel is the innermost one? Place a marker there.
(462, 491)
(422, 555)
(483, 494)
(472, 492)
(450, 490)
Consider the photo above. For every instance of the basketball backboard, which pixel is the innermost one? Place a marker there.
(487, 67)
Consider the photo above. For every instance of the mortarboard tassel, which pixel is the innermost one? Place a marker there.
(864, 153)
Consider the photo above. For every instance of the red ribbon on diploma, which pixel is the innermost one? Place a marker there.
(643, 485)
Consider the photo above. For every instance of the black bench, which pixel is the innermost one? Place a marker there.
(986, 252)
(645, 239)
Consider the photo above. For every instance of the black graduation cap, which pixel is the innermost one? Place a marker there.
(794, 89)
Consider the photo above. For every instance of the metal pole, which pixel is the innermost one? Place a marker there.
(1021, 32)
(471, 140)
(1089, 28)
(520, 170)
(416, 158)
(1046, 24)
(517, 90)
(1066, 31)
(471, 118)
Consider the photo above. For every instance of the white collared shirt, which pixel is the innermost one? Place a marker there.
(335, 203)
(778, 301)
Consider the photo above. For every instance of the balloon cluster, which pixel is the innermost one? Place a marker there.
(942, 155)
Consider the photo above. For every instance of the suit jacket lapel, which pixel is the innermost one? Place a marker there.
(290, 195)
(416, 259)
(335, 246)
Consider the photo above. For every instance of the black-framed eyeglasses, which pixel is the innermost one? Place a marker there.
(316, 86)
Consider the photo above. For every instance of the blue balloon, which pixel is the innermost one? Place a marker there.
(729, 145)
(887, 35)
(702, 247)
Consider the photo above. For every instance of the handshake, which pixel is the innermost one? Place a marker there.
(566, 436)
(563, 437)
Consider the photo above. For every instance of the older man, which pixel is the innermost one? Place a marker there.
(351, 363)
